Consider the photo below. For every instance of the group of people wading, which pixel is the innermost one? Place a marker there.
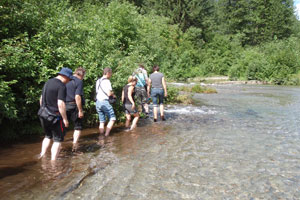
(63, 95)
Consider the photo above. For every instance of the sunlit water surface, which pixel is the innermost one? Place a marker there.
(241, 143)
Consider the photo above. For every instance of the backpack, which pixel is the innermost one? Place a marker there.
(140, 76)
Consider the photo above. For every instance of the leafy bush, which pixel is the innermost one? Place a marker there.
(275, 62)
(220, 55)
(173, 93)
(175, 97)
(197, 89)
(91, 35)
(40, 37)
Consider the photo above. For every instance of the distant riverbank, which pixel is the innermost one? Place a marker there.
(223, 80)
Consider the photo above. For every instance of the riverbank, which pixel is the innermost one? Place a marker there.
(183, 92)
(223, 80)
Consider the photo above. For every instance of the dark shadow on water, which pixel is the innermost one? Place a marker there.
(20, 141)
(90, 136)
(88, 148)
(82, 148)
(11, 171)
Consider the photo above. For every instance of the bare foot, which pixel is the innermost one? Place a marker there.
(101, 142)
(75, 147)
(39, 156)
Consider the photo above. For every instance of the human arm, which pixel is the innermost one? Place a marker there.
(78, 101)
(164, 86)
(111, 93)
(146, 78)
(61, 99)
(62, 110)
(41, 97)
(148, 87)
(78, 97)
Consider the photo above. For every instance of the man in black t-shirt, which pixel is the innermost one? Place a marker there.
(75, 103)
(55, 98)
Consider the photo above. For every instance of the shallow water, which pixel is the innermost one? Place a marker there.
(241, 143)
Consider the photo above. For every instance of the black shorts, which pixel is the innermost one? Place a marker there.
(56, 131)
(72, 114)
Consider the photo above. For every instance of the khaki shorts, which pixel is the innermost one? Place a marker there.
(141, 96)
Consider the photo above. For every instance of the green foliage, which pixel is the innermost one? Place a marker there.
(185, 13)
(198, 89)
(19, 16)
(174, 96)
(257, 21)
(90, 35)
(275, 62)
(173, 93)
(294, 79)
(219, 56)
(185, 38)
(8, 105)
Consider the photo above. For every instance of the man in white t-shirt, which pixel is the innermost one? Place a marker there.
(103, 107)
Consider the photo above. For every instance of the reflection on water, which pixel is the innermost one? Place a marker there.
(242, 143)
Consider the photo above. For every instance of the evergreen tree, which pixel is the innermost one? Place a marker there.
(186, 13)
(257, 21)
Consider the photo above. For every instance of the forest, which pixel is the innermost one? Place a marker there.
(244, 40)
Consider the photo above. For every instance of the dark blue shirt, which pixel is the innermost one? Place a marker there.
(74, 87)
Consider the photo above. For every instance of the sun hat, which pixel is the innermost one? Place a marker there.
(66, 72)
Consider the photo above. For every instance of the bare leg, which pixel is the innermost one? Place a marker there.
(45, 145)
(55, 150)
(128, 118)
(76, 136)
(109, 127)
(135, 120)
(146, 107)
(101, 127)
(161, 108)
(155, 113)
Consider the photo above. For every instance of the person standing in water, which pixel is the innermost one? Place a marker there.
(75, 103)
(141, 88)
(104, 109)
(54, 98)
(158, 92)
(129, 104)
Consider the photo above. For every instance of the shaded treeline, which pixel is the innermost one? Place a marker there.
(253, 39)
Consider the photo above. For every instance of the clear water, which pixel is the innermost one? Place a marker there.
(241, 143)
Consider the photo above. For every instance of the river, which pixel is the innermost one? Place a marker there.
(241, 143)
